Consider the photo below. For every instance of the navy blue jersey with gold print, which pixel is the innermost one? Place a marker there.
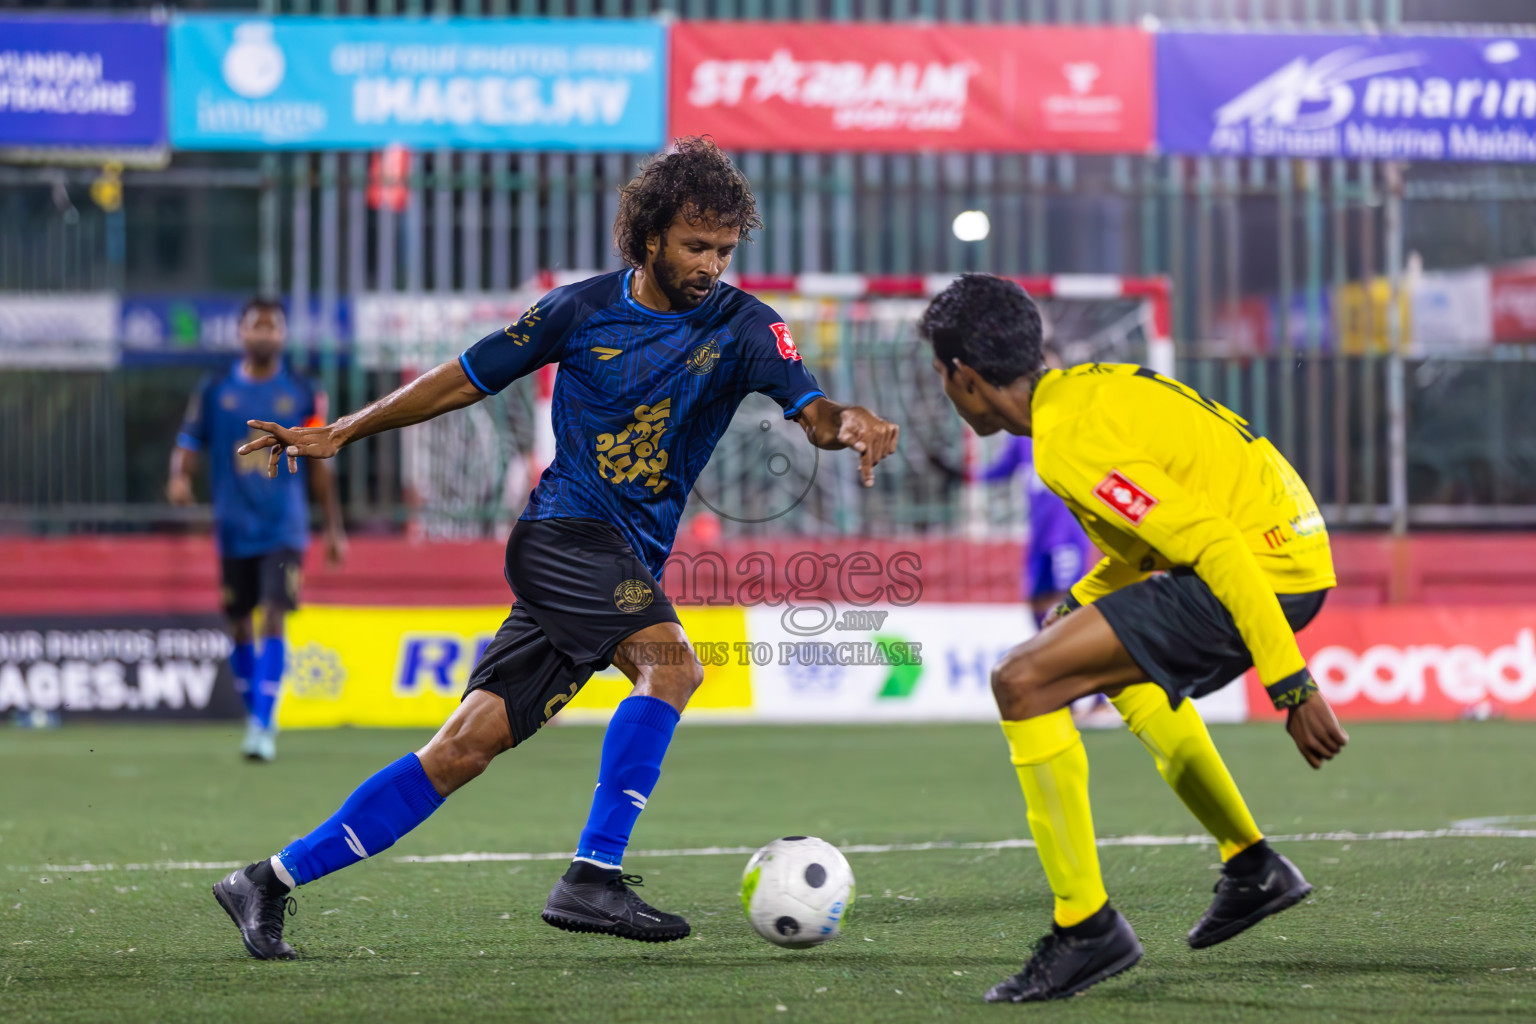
(641, 397)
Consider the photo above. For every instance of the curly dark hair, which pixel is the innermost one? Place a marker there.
(988, 323)
(695, 179)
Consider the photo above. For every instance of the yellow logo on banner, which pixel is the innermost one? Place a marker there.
(409, 666)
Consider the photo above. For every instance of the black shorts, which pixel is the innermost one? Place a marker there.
(579, 591)
(1183, 637)
(271, 580)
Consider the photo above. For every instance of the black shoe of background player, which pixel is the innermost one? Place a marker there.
(256, 901)
(1254, 884)
(1069, 960)
(592, 899)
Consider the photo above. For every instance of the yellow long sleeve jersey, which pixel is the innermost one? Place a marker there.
(1160, 476)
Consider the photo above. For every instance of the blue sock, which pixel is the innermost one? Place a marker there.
(242, 663)
(636, 742)
(378, 812)
(268, 681)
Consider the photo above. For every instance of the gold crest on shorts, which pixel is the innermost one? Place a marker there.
(632, 595)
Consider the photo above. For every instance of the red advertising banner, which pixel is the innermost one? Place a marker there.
(900, 88)
(1420, 662)
(1514, 302)
(1242, 329)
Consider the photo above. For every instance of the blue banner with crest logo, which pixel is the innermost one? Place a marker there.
(1463, 98)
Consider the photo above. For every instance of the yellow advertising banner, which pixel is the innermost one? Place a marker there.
(1361, 310)
(369, 666)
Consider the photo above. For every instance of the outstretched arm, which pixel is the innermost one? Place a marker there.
(439, 390)
(183, 464)
(831, 426)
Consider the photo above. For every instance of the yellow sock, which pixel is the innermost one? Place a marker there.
(1189, 763)
(1053, 770)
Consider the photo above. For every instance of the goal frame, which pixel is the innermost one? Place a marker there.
(1155, 293)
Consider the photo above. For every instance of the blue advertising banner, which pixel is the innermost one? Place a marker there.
(362, 83)
(1398, 98)
(81, 83)
(156, 329)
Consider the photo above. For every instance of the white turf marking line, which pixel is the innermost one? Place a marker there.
(1502, 819)
(737, 851)
(1005, 844)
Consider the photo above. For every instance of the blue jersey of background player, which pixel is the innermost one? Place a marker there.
(653, 363)
(262, 525)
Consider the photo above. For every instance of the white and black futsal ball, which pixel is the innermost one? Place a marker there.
(796, 891)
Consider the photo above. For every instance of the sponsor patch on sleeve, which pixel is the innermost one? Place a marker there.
(1121, 494)
(787, 348)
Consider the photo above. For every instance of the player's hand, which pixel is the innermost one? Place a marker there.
(179, 489)
(1316, 731)
(1055, 615)
(869, 435)
(335, 547)
(310, 442)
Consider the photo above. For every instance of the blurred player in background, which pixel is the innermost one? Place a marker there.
(1162, 479)
(1056, 554)
(654, 361)
(262, 526)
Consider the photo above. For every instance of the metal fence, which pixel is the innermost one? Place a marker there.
(89, 450)
(1375, 436)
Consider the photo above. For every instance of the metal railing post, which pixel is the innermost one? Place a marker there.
(1397, 410)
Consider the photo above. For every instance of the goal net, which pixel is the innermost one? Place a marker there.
(468, 475)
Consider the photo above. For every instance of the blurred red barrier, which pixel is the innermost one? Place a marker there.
(179, 574)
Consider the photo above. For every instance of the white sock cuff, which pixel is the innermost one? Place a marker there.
(598, 863)
(281, 871)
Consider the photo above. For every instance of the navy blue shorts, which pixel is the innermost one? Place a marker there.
(271, 580)
(1183, 637)
(579, 591)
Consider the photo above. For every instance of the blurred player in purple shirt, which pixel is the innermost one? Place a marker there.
(1058, 552)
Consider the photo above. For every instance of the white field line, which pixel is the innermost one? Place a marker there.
(739, 851)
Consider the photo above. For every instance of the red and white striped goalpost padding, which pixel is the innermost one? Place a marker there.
(1154, 291)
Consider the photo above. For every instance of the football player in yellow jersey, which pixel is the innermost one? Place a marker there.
(1216, 557)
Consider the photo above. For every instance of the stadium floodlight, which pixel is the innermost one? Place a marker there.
(972, 225)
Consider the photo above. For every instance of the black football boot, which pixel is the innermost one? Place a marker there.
(592, 899)
(255, 900)
(1254, 884)
(1069, 960)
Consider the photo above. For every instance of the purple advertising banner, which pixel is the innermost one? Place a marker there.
(1463, 98)
(93, 83)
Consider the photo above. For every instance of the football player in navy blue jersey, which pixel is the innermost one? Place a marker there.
(262, 528)
(654, 360)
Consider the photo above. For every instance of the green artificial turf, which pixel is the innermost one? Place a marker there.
(1411, 930)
